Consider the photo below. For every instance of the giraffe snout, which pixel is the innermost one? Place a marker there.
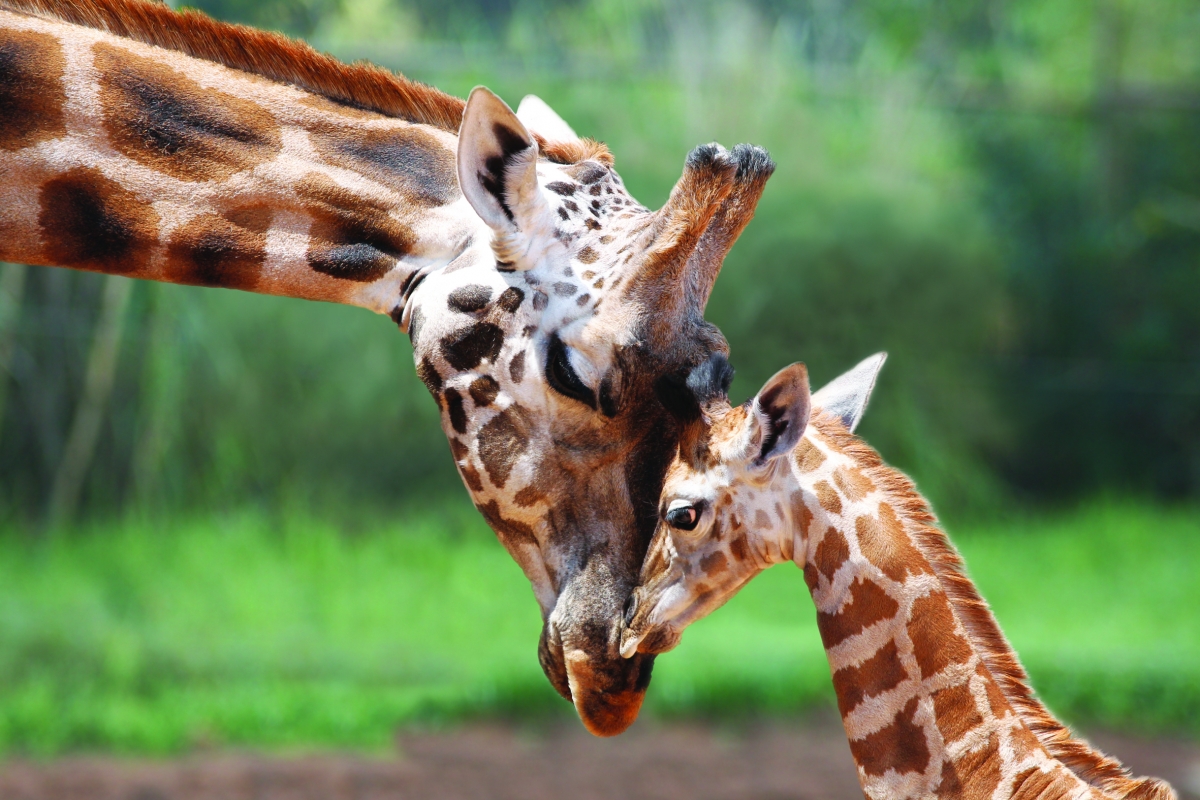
(642, 631)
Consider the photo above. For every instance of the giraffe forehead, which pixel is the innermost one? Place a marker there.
(714, 445)
(595, 218)
(685, 485)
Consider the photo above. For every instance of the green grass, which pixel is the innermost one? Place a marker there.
(249, 630)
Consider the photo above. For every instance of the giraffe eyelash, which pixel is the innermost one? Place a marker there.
(562, 376)
(683, 515)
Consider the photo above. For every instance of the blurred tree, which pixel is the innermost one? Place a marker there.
(12, 292)
(89, 413)
(1005, 195)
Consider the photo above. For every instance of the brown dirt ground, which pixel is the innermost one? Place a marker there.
(805, 761)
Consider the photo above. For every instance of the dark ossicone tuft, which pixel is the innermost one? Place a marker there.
(710, 380)
(683, 397)
(752, 162)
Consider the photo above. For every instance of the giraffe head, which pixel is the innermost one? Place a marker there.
(728, 505)
(548, 348)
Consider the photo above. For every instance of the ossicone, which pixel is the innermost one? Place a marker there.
(692, 233)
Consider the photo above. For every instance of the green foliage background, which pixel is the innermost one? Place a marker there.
(1006, 197)
(246, 629)
(274, 546)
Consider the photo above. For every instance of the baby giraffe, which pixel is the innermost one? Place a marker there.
(933, 699)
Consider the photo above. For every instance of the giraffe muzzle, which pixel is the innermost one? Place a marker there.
(608, 693)
(581, 657)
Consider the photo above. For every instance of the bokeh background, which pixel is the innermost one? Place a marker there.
(233, 520)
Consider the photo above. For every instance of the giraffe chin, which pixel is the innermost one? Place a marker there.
(608, 697)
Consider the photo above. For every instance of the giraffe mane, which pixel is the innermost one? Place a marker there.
(1090, 765)
(279, 58)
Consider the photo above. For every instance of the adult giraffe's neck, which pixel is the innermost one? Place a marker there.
(140, 141)
(932, 697)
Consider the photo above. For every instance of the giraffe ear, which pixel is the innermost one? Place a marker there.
(542, 120)
(846, 396)
(780, 414)
(497, 164)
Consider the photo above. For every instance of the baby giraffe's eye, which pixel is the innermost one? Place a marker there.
(683, 515)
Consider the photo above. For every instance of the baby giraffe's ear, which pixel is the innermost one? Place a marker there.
(497, 167)
(780, 414)
(846, 395)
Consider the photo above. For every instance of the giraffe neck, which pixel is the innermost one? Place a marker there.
(124, 157)
(932, 698)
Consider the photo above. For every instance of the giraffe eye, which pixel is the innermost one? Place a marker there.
(683, 515)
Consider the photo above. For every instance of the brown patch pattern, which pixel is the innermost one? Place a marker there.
(810, 577)
(470, 298)
(996, 699)
(500, 444)
(714, 564)
(802, 515)
(853, 483)
(470, 477)
(885, 543)
(827, 496)
(808, 456)
(739, 548)
(516, 367)
(455, 410)
(935, 643)
(510, 299)
(467, 347)
(429, 376)
(899, 746)
(351, 237)
(868, 604)
(211, 250)
(528, 496)
(31, 89)
(832, 552)
(976, 774)
(166, 121)
(956, 712)
(484, 390)
(871, 678)
(90, 222)
(406, 159)
(1033, 783)
(510, 532)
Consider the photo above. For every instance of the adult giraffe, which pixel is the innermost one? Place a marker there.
(544, 304)
(932, 697)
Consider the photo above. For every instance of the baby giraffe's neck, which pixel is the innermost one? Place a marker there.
(934, 701)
